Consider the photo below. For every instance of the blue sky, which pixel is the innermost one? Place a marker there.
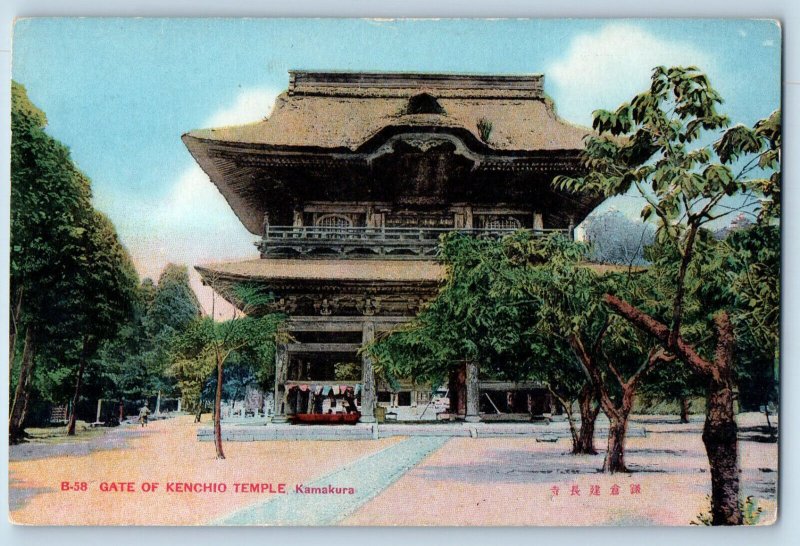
(120, 92)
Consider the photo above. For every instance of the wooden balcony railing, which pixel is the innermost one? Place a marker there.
(364, 242)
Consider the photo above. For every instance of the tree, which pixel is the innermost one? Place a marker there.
(654, 144)
(172, 306)
(48, 196)
(70, 277)
(616, 239)
(568, 307)
(751, 258)
(100, 295)
(207, 345)
(466, 322)
(484, 313)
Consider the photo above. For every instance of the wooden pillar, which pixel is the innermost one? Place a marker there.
(458, 390)
(281, 367)
(473, 393)
(538, 222)
(468, 219)
(367, 377)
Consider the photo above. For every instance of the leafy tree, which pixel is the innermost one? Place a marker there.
(207, 346)
(171, 306)
(616, 239)
(99, 296)
(751, 258)
(48, 198)
(466, 321)
(484, 313)
(654, 144)
(67, 266)
(568, 307)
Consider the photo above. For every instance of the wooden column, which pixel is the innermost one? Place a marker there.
(457, 388)
(473, 393)
(281, 367)
(538, 222)
(367, 377)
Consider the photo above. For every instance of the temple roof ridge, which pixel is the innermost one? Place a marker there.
(335, 83)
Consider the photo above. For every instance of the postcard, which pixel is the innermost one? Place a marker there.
(359, 272)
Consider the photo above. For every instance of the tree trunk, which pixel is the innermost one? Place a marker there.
(684, 409)
(218, 412)
(19, 405)
(12, 338)
(566, 405)
(589, 412)
(615, 453)
(78, 382)
(720, 438)
(720, 430)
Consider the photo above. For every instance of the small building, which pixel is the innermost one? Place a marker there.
(348, 185)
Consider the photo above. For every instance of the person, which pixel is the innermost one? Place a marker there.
(350, 399)
(144, 412)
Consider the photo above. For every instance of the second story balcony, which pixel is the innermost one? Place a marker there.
(365, 242)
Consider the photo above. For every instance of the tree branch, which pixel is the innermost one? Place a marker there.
(661, 332)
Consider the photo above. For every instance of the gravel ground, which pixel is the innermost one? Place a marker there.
(419, 481)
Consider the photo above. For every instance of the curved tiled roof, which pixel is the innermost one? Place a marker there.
(327, 269)
(346, 113)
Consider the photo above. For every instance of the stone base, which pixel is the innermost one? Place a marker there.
(279, 419)
(472, 419)
(366, 419)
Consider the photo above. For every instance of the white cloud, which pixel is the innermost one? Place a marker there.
(605, 68)
(194, 205)
(768, 43)
(194, 224)
(742, 33)
(250, 105)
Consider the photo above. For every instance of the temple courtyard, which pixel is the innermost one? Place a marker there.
(165, 475)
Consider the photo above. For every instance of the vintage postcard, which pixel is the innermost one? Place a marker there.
(314, 272)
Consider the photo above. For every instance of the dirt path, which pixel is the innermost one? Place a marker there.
(489, 481)
(167, 452)
(511, 482)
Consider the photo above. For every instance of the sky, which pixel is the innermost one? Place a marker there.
(121, 92)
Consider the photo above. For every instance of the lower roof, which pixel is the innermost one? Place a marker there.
(327, 269)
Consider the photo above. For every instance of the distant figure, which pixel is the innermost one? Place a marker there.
(350, 400)
(144, 412)
(121, 411)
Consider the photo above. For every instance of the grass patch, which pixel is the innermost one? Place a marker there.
(58, 434)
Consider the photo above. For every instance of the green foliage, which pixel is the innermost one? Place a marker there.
(751, 513)
(672, 146)
(468, 320)
(615, 239)
(646, 144)
(485, 129)
(174, 304)
(71, 279)
(244, 343)
(751, 260)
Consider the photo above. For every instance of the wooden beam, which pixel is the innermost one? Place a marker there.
(340, 324)
(487, 385)
(323, 347)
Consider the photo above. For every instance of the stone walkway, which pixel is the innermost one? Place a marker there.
(542, 432)
(369, 476)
